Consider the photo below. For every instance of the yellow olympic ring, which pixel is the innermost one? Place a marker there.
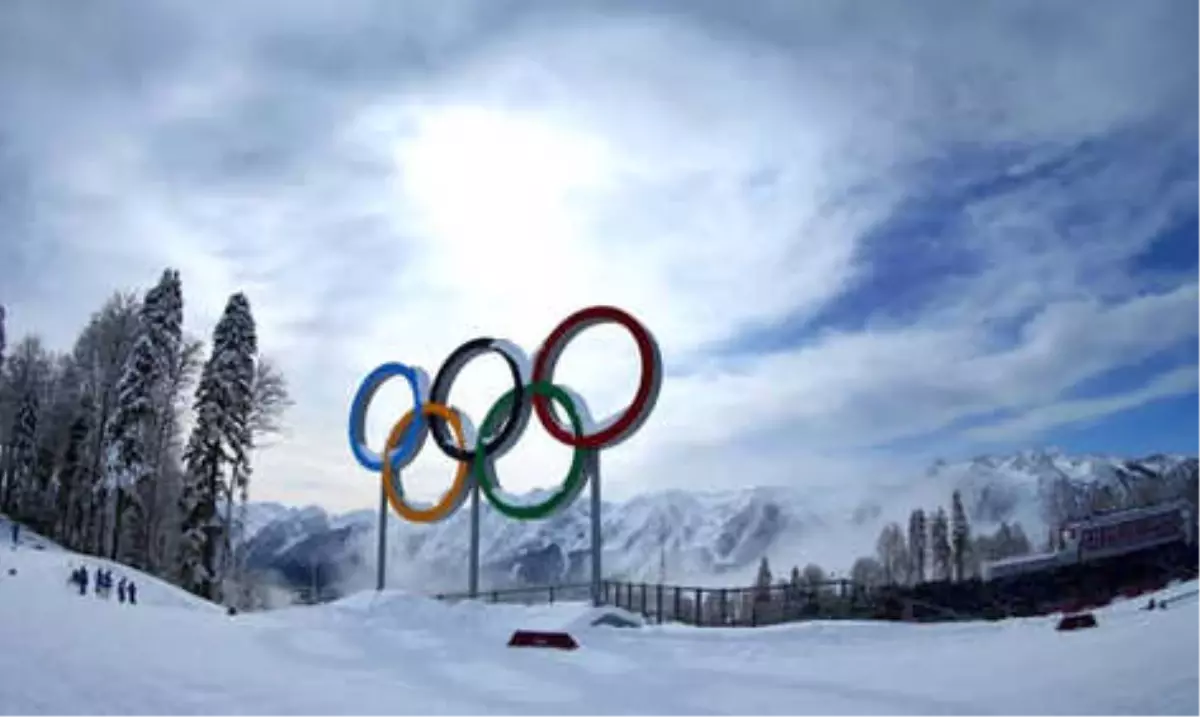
(453, 497)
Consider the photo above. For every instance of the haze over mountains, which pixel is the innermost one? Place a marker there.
(695, 538)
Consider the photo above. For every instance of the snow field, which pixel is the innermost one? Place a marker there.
(397, 653)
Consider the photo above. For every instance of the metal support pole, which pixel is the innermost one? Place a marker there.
(381, 555)
(593, 469)
(473, 567)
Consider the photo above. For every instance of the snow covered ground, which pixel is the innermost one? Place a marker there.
(395, 654)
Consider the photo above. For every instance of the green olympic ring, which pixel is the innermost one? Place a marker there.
(484, 470)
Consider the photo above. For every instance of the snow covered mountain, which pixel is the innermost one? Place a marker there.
(675, 532)
(696, 538)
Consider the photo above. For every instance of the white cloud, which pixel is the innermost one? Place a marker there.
(386, 184)
(1065, 413)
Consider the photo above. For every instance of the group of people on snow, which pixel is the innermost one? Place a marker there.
(103, 582)
(126, 589)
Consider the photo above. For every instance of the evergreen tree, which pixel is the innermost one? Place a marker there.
(241, 366)
(145, 424)
(167, 489)
(27, 374)
(127, 460)
(2, 344)
(162, 324)
(38, 396)
(203, 483)
(960, 535)
(918, 544)
(162, 318)
(939, 536)
(243, 369)
(795, 584)
(24, 454)
(71, 478)
(217, 455)
(762, 583)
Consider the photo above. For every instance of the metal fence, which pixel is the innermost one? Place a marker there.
(731, 607)
(542, 595)
(1070, 587)
(743, 607)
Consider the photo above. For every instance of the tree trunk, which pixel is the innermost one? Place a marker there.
(101, 522)
(116, 534)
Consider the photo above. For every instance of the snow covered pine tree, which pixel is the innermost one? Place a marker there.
(125, 462)
(220, 440)
(133, 458)
(939, 536)
(174, 364)
(918, 544)
(960, 535)
(71, 476)
(23, 450)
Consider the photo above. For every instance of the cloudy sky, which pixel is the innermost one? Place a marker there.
(866, 234)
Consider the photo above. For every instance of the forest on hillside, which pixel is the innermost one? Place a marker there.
(136, 444)
(940, 546)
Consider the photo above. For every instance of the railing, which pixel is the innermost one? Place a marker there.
(743, 607)
(1066, 588)
(732, 607)
(543, 595)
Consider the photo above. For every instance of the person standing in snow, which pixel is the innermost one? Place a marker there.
(16, 534)
(121, 591)
(82, 577)
(132, 590)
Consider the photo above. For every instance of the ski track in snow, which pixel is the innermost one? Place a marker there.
(397, 654)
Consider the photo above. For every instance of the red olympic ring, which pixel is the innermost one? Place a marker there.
(649, 382)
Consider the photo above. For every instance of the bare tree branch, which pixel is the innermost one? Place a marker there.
(270, 399)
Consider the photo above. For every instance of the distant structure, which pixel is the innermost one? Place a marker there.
(1105, 535)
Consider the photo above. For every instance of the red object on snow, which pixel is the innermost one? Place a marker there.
(1077, 621)
(535, 638)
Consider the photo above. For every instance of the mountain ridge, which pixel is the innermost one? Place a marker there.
(702, 537)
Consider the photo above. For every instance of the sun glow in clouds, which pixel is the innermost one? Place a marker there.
(502, 211)
(496, 187)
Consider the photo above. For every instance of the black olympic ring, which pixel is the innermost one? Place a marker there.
(507, 434)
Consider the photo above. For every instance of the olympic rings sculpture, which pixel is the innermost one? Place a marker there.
(504, 423)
